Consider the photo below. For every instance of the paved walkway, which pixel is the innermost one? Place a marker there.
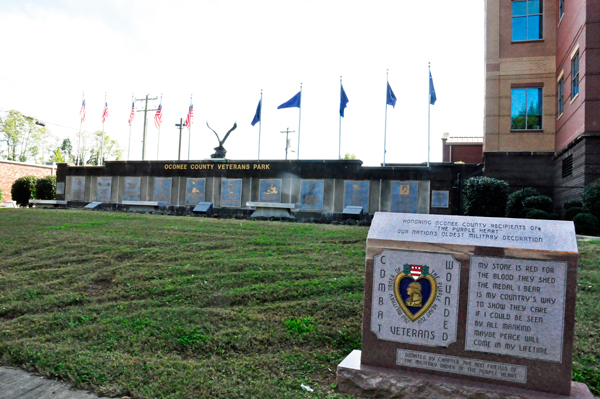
(19, 384)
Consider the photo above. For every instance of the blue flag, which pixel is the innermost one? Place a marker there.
(432, 97)
(292, 102)
(257, 115)
(391, 98)
(343, 100)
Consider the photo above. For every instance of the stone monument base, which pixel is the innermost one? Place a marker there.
(382, 383)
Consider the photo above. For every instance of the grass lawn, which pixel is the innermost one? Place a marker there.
(174, 307)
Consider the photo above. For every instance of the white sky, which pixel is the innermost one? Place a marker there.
(225, 52)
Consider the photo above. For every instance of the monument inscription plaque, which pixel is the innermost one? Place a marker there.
(516, 307)
(489, 300)
(405, 196)
(440, 199)
(103, 189)
(60, 187)
(415, 297)
(270, 190)
(356, 193)
(461, 365)
(77, 188)
(231, 192)
(132, 188)
(162, 189)
(311, 194)
(194, 190)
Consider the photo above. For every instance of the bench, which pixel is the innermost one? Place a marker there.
(271, 209)
(145, 206)
(47, 203)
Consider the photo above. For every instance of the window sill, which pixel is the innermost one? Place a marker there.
(560, 116)
(527, 41)
(527, 130)
(560, 20)
(574, 98)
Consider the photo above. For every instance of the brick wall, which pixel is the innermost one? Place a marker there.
(11, 171)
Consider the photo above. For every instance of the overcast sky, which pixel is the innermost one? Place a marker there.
(224, 52)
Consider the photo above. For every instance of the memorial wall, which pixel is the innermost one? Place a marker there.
(315, 187)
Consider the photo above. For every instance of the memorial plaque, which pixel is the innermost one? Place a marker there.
(415, 297)
(231, 192)
(311, 195)
(405, 196)
(440, 199)
(77, 188)
(194, 191)
(103, 189)
(162, 189)
(356, 193)
(461, 365)
(132, 189)
(270, 190)
(517, 307)
(60, 188)
(488, 300)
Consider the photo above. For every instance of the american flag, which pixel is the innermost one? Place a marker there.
(82, 111)
(132, 113)
(158, 117)
(190, 116)
(105, 113)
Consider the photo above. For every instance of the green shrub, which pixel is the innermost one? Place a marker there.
(45, 188)
(572, 212)
(485, 196)
(586, 224)
(1, 195)
(23, 189)
(537, 214)
(541, 202)
(574, 203)
(514, 205)
(591, 198)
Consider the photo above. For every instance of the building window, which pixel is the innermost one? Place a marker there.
(567, 166)
(527, 20)
(526, 109)
(560, 96)
(561, 8)
(575, 75)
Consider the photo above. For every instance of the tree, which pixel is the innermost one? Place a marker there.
(91, 146)
(26, 139)
(66, 149)
(57, 156)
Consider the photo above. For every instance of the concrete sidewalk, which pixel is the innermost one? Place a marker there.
(19, 384)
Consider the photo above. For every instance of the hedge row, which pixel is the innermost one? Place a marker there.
(33, 187)
(485, 196)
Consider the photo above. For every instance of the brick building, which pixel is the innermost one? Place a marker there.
(462, 149)
(542, 102)
(11, 171)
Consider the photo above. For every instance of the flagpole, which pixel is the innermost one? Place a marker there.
(158, 139)
(385, 125)
(340, 134)
(130, 123)
(260, 124)
(102, 143)
(189, 131)
(299, 120)
(80, 122)
(429, 115)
